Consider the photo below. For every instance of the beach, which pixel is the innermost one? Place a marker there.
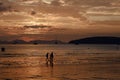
(28, 62)
(62, 72)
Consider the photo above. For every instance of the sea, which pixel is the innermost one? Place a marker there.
(71, 62)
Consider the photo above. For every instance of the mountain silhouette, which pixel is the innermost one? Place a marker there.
(17, 41)
(97, 40)
(46, 42)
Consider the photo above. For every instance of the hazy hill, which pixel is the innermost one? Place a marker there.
(18, 42)
(46, 42)
(32, 42)
(97, 40)
(4, 42)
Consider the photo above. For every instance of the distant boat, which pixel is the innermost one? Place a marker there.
(35, 43)
(56, 42)
(3, 49)
(76, 43)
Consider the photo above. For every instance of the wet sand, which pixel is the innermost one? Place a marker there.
(62, 72)
(34, 68)
(23, 63)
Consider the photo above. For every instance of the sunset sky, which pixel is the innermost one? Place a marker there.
(58, 19)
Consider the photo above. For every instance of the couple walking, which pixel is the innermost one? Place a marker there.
(49, 58)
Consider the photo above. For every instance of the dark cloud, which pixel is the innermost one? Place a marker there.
(33, 12)
(56, 3)
(71, 18)
(90, 2)
(37, 26)
(4, 7)
(1, 3)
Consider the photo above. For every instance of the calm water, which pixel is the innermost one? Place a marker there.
(72, 62)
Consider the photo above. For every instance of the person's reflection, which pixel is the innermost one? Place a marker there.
(47, 64)
(51, 64)
(51, 70)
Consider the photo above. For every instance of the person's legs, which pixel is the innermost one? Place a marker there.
(51, 62)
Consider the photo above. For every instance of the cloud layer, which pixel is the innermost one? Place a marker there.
(76, 18)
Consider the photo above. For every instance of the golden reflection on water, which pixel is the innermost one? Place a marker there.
(62, 72)
(70, 66)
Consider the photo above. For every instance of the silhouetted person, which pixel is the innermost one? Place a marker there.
(47, 55)
(3, 49)
(51, 58)
(47, 58)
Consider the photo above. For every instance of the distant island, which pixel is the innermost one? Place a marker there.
(88, 40)
(97, 40)
(32, 42)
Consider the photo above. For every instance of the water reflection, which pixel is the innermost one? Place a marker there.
(61, 72)
(69, 65)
